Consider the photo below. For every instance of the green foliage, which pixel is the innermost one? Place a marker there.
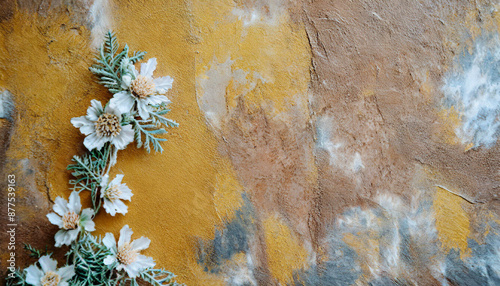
(158, 277)
(88, 171)
(87, 256)
(150, 131)
(109, 67)
(33, 252)
(151, 128)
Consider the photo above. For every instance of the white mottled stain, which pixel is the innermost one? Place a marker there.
(357, 163)
(211, 89)
(339, 156)
(324, 133)
(6, 104)
(395, 225)
(212, 94)
(473, 88)
(99, 20)
(242, 275)
(265, 12)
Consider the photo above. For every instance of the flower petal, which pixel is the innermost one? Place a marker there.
(93, 141)
(125, 235)
(109, 241)
(126, 81)
(87, 214)
(61, 238)
(113, 156)
(157, 99)
(66, 272)
(109, 207)
(89, 226)
(86, 126)
(122, 101)
(126, 192)
(120, 207)
(75, 204)
(104, 182)
(125, 137)
(95, 110)
(163, 84)
(141, 263)
(34, 275)
(55, 219)
(110, 259)
(141, 243)
(148, 68)
(47, 263)
(86, 219)
(117, 180)
(60, 206)
(131, 269)
(72, 235)
(142, 107)
(65, 237)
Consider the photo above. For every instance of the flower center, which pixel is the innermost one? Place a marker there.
(50, 279)
(112, 193)
(107, 125)
(70, 220)
(142, 86)
(126, 255)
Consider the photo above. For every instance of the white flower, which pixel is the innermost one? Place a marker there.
(142, 89)
(67, 216)
(103, 125)
(113, 193)
(49, 275)
(127, 253)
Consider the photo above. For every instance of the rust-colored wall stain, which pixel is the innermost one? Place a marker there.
(317, 142)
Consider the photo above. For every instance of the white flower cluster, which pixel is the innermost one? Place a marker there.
(140, 94)
(136, 108)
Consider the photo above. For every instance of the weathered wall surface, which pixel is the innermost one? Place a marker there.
(320, 142)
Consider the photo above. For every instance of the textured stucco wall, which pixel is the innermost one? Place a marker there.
(320, 142)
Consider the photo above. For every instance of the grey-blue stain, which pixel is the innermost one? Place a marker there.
(482, 268)
(405, 245)
(7, 108)
(232, 239)
(460, 273)
(386, 281)
(339, 270)
(480, 101)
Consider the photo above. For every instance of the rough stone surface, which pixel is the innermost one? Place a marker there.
(320, 142)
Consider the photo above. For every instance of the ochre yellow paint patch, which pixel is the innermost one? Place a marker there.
(452, 222)
(450, 120)
(284, 251)
(228, 192)
(275, 56)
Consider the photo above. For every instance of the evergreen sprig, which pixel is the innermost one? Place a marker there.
(87, 255)
(109, 67)
(33, 252)
(87, 172)
(151, 128)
